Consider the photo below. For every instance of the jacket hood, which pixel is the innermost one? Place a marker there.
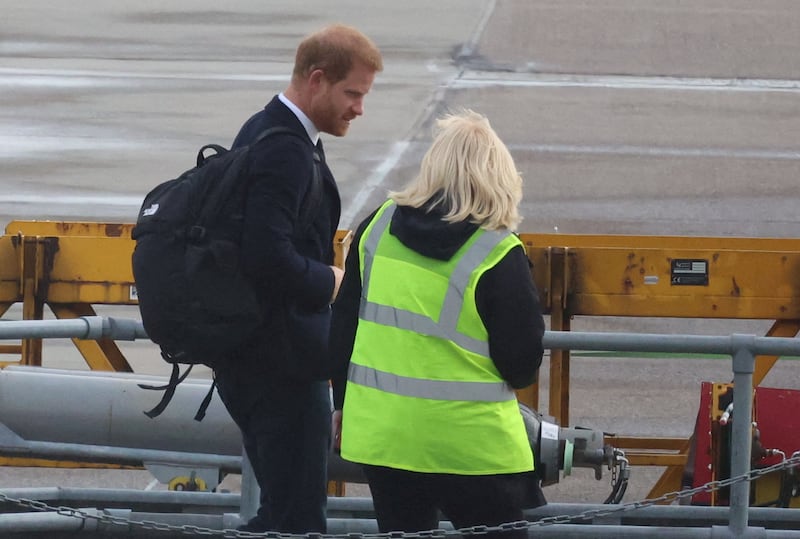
(423, 230)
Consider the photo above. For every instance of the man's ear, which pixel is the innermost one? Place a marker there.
(316, 78)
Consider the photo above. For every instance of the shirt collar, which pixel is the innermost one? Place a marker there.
(313, 132)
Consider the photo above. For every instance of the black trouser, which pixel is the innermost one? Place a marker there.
(286, 434)
(410, 502)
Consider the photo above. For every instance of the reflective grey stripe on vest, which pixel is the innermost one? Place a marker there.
(454, 298)
(443, 390)
(371, 244)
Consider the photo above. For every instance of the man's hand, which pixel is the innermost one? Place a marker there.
(338, 275)
(336, 429)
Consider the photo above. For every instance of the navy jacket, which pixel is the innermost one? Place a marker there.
(287, 265)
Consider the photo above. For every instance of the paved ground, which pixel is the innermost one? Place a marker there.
(624, 116)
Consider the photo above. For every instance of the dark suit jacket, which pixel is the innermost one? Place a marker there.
(288, 266)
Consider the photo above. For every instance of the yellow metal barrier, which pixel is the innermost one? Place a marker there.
(648, 276)
(662, 276)
(70, 267)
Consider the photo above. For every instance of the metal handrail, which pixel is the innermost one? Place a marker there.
(742, 349)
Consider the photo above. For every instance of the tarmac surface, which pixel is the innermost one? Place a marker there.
(656, 117)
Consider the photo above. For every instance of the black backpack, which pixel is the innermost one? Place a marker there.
(194, 301)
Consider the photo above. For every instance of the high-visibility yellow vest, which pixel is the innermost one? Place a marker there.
(422, 392)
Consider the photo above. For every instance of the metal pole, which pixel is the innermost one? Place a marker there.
(743, 366)
(85, 327)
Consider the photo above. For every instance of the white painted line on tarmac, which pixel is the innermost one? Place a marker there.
(469, 48)
(20, 76)
(373, 182)
(107, 200)
(379, 174)
(655, 151)
(545, 80)
(24, 144)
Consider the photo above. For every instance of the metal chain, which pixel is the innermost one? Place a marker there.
(428, 534)
(671, 496)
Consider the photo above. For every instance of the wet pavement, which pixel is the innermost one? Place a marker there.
(624, 116)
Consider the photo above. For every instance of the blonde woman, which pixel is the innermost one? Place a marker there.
(437, 322)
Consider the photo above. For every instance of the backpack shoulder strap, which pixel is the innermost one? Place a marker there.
(274, 130)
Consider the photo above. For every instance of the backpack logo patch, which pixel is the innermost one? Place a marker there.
(150, 211)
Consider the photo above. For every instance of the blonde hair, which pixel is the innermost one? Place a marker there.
(469, 172)
(334, 49)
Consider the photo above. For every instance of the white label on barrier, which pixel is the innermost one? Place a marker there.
(549, 431)
(134, 294)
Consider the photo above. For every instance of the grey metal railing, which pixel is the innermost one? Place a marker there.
(84, 327)
(741, 348)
